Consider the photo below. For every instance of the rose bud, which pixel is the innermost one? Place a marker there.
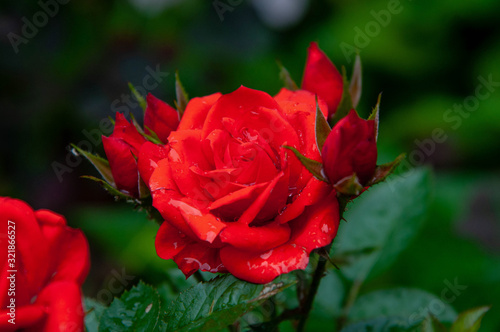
(160, 117)
(322, 78)
(122, 149)
(43, 275)
(350, 149)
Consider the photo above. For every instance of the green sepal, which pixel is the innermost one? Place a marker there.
(152, 136)
(111, 189)
(181, 95)
(384, 170)
(349, 185)
(100, 164)
(375, 115)
(313, 166)
(345, 103)
(355, 85)
(288, 81)
(470, 320)
(322, 128)
(138, 97)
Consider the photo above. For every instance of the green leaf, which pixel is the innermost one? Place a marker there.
(182, 96)
(411, 305)
(345, 103)
(375, 116)
(381, 324)
(470, 320)
(101, 164)
(112, 190)
(386, 217)
(138, 96)
(93, 313)
(136, 310)
(355, 86)
(313, 166)
(322, 128)
(288, 81)
(213, 305)
(384, 170)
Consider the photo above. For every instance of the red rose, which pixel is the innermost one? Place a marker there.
(232, 197)
(123, 146)
(322, 78)
(51, 262)
(350, 149)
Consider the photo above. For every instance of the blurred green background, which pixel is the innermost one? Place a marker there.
(425, 56)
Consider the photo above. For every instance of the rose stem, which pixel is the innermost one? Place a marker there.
(319, 272)
(351, 298)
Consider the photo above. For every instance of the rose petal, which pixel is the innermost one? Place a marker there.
(317, 225)
(257, 207)
(260, 238)
(63, 303)
(170, 241)
(127, 132)
(31, 247)
(149, 155)
(231, 206)
(322, 78)
(160, 117)
(204, 225)
(311, 194)
(123, 165)
(263, 267)
(196, 111)
(26, 316)
(199, 257)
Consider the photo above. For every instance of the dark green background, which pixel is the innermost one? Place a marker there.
(426, 59)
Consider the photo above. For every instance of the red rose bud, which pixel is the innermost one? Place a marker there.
(122, 149)
(322, 78)
(160, 117)
(44, 263)
(350, 149)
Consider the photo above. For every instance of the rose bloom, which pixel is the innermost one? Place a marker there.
(233, 198)
(51, 260)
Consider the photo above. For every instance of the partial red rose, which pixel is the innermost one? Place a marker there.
(51, 262)
(233, 198)
(322, 78)
(350, 149)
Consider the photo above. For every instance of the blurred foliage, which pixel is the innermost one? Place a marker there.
(74, 72)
